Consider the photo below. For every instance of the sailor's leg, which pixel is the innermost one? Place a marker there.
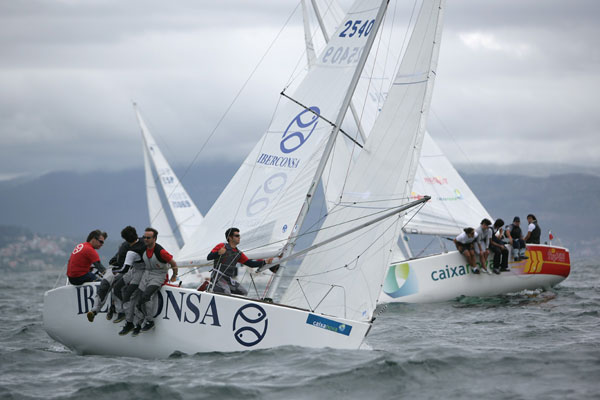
(504, 263)
(222, 286)
(130, 306)
(147, 304)
(239, 289)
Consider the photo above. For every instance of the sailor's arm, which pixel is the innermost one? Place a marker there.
(219, 250)
(175, 270)
(99, 267)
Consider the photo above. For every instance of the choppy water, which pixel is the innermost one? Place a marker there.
(530, 345)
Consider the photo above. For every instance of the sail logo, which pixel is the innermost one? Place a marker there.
(294, 136)
(436, 179)
(276, 161)
(250, 325)
(329, 324)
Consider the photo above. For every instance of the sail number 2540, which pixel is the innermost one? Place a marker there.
(357, 27)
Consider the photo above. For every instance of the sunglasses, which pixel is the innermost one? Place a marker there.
(101, 241)
(236, 235)
(148, 237)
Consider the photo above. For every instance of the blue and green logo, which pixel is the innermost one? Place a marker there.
(400, 281)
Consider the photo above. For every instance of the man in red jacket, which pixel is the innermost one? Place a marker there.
(84, 257)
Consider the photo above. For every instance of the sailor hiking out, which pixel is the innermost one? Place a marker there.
(113, 277)
(84, 258)
(142, 303)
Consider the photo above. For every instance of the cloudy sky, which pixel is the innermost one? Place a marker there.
(518, 80)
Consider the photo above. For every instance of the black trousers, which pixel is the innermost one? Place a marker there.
(500, 257)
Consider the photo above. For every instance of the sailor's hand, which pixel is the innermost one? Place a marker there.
(173, 277)
(222, 251)
(270, 260)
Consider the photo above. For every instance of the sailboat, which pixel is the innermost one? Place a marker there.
(332, 299)
(453, 206)
(183, 209)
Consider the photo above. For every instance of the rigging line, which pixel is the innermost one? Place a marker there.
(327, 227)
(354, 259)
(425, 248)
(452, 137)
(320, 116)
(239, 93)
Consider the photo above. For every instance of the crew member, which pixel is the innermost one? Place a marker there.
(498, 248)
(464, 245)
(484, 234)
(533, 230)
(84, 257)
(515, 238)
(113, 276)
(226, 256)
(158, 261)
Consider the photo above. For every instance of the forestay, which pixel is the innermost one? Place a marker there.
(344, 279)
(264, 197)
(453, 206)
(187, 217)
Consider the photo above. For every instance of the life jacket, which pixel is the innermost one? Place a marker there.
(155, 263)
(515, 231)
(534, 238)
(226, 264)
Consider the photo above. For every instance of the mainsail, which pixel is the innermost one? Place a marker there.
(186, 214)
(344, 279)
(453, 206)
(264, 197)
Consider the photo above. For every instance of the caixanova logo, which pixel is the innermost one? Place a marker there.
(450, 272)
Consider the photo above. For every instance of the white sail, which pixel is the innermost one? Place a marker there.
(265, 196)
(186, 214)
(453, 206)
(344, 279)
(158, 218)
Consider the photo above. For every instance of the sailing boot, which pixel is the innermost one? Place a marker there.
(120, 317)
(148, 326)
(111, 312)
(522, 256)
(515, 254)
(127, 328)
(91, 315)
(136, 330)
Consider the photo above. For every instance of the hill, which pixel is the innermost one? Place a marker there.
(66, 204)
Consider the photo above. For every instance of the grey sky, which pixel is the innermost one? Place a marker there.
(517, 80)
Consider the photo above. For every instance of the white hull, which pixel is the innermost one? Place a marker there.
(445, 277)
(191, 322)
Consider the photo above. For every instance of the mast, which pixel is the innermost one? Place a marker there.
(289, 247)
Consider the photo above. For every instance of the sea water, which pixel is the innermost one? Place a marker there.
(520, 346)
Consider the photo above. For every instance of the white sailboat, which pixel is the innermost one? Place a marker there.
(453, 206)
(279, 177)
(185, 213)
